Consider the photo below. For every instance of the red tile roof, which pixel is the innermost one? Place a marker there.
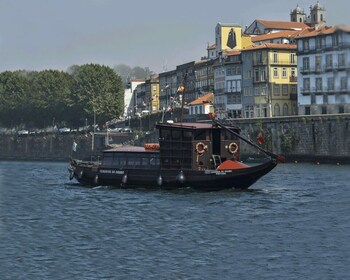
(326, 30)
(271, 24)
(276, 35)
(271, 46)
(211, 47)
(208, 98)
(232, 53)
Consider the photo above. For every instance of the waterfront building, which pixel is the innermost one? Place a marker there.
(228, 85)
(129, 97)
(324, 67)
(269, 80)
(140, 99)
(204, 76)
(168, 89)
(202, 105)
(230, 37)
(152, 94)
(185, 76)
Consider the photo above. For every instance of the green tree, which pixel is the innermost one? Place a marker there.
(99, 92)
(14, 99)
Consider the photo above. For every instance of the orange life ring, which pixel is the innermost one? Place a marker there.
(232, 148)
(200, 148)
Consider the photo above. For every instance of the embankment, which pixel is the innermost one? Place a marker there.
(324, 138)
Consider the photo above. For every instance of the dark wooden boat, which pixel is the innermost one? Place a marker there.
(202, 156)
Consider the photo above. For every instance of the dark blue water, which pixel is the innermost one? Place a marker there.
(292, 224)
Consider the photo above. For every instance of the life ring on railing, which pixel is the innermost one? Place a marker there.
(201, 148)
(232, 148)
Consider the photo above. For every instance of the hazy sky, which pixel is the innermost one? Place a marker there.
(160, 34)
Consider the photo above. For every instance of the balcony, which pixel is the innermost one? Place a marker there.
(282, 62)
(259, 62)
(293, 79)
(305, 91)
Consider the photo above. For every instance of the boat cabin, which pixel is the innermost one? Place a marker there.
(131, 158)
(196, 146)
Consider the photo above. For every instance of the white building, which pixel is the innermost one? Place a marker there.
(324, 70)
(129, 96)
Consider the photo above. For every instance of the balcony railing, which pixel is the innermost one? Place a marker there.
(283, 62)
(293, 79)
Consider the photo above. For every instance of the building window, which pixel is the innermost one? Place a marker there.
(318, 84)
(306, 44)
(259, 57)
(275, 57)
(285, 90)
(329, 61)
(341, 59)
(318, 63)
(306, 84)
(284, 72)
(343, 83)
(330, 84)
(275, 72)
(276, 90)
(256, 75)
(292, 58)
(306, 63)
(293, 72)
(324, 110)
(263, 75)
(285, 109)
(277, 110)
(307, 110)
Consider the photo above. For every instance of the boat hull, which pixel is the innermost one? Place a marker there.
(203, 180)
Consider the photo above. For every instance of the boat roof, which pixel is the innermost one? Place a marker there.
(191, 125)
(131, 149)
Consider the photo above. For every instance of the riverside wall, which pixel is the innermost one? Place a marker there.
(317, 138)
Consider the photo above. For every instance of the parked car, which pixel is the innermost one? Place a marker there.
(23, 132)
(127, 130)
(64, 130)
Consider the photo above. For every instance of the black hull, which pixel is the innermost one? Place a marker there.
(203, 180)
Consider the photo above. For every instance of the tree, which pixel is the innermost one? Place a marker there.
(99, 91)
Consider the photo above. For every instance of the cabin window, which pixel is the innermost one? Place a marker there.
(122, 161)
(132, 160)
(200, 135)
(107, 159)
(144, 161)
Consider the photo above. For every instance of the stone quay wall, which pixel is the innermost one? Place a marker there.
(321, 138)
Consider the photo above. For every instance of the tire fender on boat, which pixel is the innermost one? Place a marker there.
(160, 181)
(96, 179)
(180, 178)
(81, 174)
(125, 179)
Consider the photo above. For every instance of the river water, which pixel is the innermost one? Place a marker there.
(292, 224)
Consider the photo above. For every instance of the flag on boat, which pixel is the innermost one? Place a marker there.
(74, 147)
(260, 138)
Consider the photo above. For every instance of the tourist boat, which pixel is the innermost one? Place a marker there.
(201, 156)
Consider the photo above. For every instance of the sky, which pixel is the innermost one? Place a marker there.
(159, 34)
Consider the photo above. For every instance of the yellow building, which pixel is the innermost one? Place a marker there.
(230, 37)
(269, 80)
